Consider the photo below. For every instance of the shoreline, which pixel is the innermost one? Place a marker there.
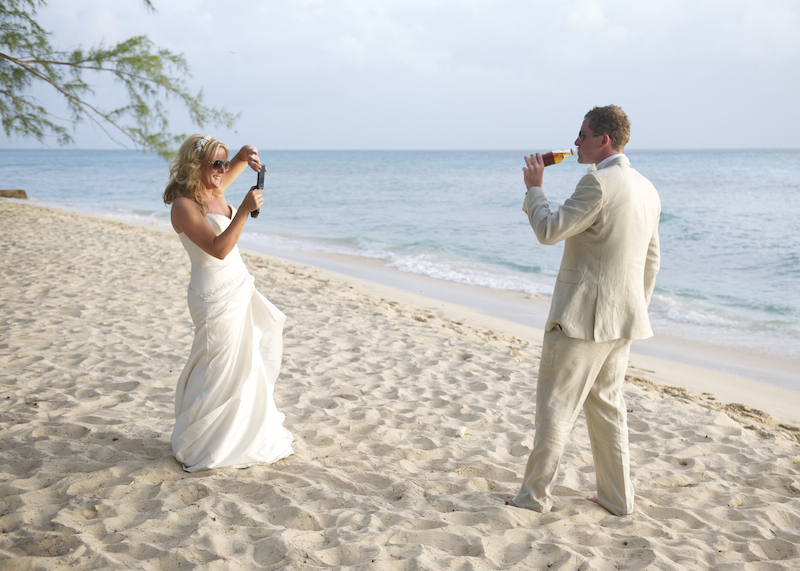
(727, 372)
(682, 344)
(532, 310)
(781, 402)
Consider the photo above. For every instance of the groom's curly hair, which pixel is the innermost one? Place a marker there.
(612, 121)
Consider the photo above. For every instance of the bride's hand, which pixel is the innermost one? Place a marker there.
(252, 200)
(252, 157)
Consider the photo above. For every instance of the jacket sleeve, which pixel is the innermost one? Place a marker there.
(651, 266)
(573, 217)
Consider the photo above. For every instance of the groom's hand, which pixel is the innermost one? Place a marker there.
(534, 171)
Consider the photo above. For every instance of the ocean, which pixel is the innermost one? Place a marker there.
(730, 222)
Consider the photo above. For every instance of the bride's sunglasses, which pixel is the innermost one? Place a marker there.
(220, 164)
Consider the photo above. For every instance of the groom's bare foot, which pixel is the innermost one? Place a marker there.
(511, 503)
(593, 499)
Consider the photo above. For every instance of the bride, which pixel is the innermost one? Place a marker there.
(225, 414)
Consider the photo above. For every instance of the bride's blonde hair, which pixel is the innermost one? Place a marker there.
(184, 171)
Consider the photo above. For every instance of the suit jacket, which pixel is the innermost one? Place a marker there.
(611, 253)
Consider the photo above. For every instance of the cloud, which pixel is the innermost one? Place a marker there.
(473, 73)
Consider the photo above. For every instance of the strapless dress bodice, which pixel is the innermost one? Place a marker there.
(211, 275)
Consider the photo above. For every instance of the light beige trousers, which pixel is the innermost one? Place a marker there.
(575, 373)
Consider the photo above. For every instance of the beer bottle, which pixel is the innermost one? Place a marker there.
(557, 156)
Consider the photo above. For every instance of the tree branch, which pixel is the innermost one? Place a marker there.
(75, 100)
(145, 73)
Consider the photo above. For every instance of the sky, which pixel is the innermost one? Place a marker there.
(468, 74)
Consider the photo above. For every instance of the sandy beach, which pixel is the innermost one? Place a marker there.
(375, 384)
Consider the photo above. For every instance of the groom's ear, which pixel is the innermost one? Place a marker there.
(608, 142)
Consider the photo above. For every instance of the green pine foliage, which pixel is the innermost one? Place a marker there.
(149, 75)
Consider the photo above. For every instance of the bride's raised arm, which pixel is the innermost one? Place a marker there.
(247, 155)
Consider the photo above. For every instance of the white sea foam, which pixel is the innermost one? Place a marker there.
(469, 275)
(691, 312)
(421, 264)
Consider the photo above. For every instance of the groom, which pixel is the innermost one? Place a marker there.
(606, 280)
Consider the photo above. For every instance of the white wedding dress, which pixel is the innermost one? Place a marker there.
(225, 414)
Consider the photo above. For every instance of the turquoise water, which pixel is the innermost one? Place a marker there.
(730, 226)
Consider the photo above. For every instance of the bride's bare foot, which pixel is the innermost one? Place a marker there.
(511, 503)
(593, 499)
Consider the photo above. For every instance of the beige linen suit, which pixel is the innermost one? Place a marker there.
(604, 285)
